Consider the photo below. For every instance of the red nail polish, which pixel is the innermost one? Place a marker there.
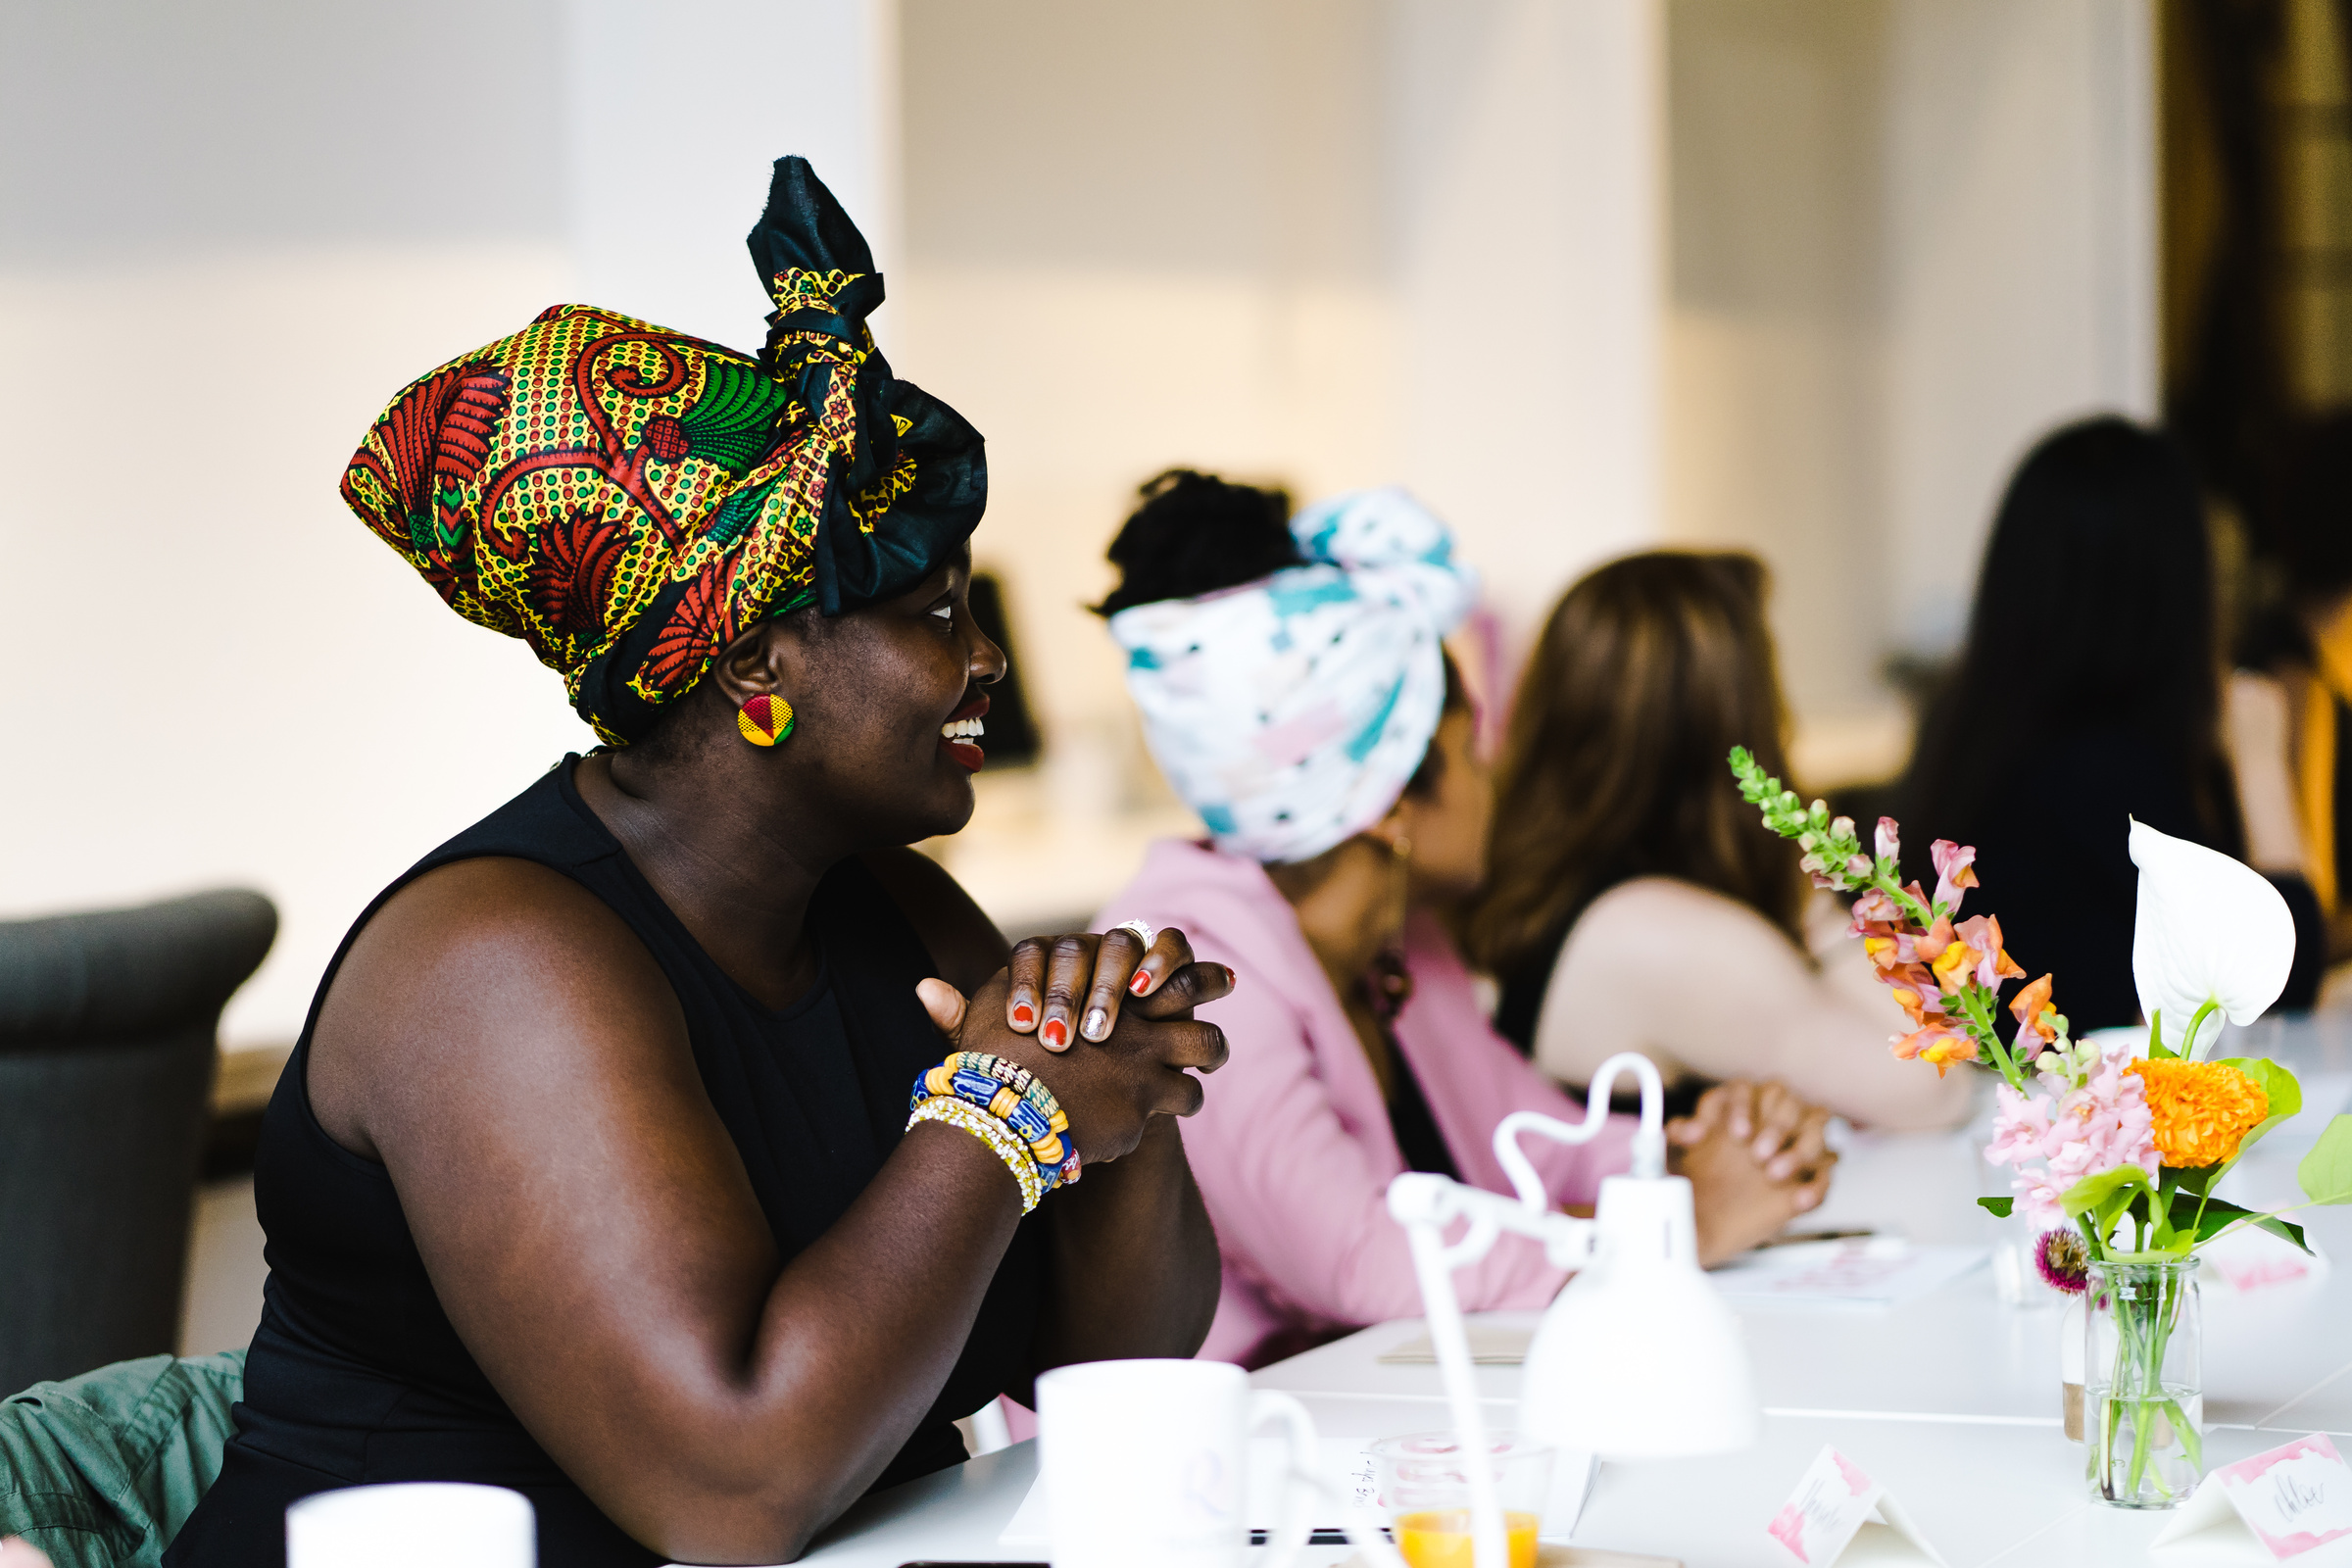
(1056, 1033)
(1141, 983)
(1024, 1016)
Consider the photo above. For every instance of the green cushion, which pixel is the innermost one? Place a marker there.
(100, 1471)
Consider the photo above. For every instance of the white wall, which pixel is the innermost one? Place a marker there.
(1325, 241)
(1909, 235)
(1775, 319)
(1316, 241)
(2021, 252)
(673, 114)
(1527, 145)
(234, 231)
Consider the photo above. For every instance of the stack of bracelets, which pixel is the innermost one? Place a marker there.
(1002, 1105)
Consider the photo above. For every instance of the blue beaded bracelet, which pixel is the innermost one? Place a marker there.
(1014, 1096)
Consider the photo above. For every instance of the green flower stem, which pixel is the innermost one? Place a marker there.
(1831, 846)
(2189, 1045)
(2197, 1223)
(2187, 1430)
(2143, 1331)
(1885, 883)
(1977, 1001)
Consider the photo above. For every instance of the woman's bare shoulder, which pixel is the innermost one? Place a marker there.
(466, 972)
(469, 920)
(1648, 902)
(1657, 927)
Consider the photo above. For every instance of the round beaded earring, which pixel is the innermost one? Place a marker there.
(763, 718)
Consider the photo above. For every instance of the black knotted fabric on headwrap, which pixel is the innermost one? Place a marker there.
(629, 500)
(916, 461)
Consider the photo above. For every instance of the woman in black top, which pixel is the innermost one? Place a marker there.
(592, 1174)
(2090, 692)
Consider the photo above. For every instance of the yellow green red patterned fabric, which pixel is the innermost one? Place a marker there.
(628, 500)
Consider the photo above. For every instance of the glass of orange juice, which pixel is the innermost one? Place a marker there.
(1424, 1488)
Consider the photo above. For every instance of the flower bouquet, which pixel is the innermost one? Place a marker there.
(2117, 1148)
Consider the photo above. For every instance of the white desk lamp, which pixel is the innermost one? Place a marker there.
(1637, 1358)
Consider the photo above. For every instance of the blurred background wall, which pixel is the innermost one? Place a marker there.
(1802, 275)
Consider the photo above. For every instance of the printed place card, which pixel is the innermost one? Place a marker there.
(2292, 1499)
(1839, 1514)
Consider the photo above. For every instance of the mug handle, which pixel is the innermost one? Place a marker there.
(1300, 1490)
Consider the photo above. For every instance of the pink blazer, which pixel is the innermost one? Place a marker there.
(1293, 1150)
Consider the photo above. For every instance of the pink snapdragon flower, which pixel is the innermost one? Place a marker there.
(1888, 840)
(2101, 1125)
(1876, 907)
(1934, 1042)
(1955, 871)
(1972, 952)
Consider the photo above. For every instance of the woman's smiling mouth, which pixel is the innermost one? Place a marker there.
(962, 730)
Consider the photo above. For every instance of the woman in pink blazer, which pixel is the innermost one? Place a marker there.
(1294, 689)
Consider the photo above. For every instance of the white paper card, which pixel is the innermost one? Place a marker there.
(2292, 1499)
(1862, 1275)
(1345, 1465)
(1490, 1346)
(2247, 1261)
(1839, 1514)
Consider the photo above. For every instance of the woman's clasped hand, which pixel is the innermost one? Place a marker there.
(1756, 1157)
(1146, 1042)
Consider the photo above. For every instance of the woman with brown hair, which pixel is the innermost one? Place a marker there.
(1293, 688)
(1634, 904)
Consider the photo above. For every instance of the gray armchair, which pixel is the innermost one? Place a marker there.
(107, 1026)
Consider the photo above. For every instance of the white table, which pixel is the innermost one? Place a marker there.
(1951, 1399)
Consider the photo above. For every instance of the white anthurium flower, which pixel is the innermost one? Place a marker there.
(2210, 928)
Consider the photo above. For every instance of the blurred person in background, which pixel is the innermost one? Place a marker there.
(2090, 691)
(2307, 648)
(1296, 692)
(1634, 901)
(593, 1173)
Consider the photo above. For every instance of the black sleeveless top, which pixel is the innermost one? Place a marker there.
(356, 1376)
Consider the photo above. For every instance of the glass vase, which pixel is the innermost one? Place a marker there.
(2143, 1391)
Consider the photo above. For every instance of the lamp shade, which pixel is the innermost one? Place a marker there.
(449, 1524)
(1638, 1357)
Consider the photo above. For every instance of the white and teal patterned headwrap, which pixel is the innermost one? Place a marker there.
(1289, 712)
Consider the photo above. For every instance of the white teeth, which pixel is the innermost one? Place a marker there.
(964, 730)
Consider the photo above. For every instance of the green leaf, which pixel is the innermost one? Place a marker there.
(2157, 1049)
(2220, 1213)
(2279, 1087)
(1998, 1207)
(2106, 1195)
(2326, 1171)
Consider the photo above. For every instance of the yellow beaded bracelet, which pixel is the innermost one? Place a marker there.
(992, 1132)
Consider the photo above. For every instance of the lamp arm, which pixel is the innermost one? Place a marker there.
(1649, 1140)
(1434, 1262)
(1425, 1204)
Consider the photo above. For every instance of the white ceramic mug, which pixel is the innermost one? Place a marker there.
(1145, 1464)
(449, 1524)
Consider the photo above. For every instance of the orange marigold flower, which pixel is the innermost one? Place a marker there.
(2202, 1109)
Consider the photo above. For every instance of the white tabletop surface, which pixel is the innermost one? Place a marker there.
(1951, 1399)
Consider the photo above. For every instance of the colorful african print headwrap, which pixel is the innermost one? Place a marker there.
(1292, 712)
(628, 500)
